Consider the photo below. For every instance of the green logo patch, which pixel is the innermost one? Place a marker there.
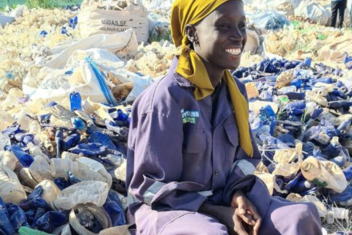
(189, 116)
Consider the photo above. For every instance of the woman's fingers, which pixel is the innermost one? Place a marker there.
(246, 212)
(239, 229)
(247, 219)
(241, 205)
(256, 217)
(257, 226)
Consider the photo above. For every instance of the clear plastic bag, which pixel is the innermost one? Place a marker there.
(84, 192)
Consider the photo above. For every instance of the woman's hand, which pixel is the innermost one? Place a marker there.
(246, 211)
(230, 217)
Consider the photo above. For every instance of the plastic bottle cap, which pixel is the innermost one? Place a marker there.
(307, 167)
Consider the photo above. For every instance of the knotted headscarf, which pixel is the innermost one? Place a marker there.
(192, 68)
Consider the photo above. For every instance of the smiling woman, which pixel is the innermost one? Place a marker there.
(223, 39)
(191, 154)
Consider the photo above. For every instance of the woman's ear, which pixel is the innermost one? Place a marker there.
(191, 33)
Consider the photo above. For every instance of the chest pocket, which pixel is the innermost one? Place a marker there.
(232, 134)
(193, 140)
(231, 148)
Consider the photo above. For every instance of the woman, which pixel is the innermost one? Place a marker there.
(191, 153)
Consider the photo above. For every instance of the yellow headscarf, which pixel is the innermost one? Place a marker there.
(192, 68)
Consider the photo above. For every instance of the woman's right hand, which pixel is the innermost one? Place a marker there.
(247, 211)
(228, 216)
(231, 218)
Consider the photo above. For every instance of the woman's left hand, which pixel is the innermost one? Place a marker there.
(247, 212)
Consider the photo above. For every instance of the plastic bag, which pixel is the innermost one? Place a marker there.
(85, 80)
(121, 44)
(60, 167)
(140, 83)
(313, 11)
(96, 167)
(289, 161)
(84, 192)
(268, 20)
(95, 20)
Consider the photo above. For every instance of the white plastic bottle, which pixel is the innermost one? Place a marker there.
(60, 167)
(324, 173)
(50, 191)
(9, 160)
(6, 120)
(24, 120)
(4, 140)
(11, 188)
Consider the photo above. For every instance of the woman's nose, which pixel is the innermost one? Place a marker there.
(236, 35)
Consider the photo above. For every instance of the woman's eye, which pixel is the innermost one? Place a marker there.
(224, 26)
(242, 26)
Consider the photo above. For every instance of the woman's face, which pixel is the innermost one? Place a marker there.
(222, 36)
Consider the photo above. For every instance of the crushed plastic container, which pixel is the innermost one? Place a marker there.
(337, 214)
(50, 191)
(325, 174)
(81, 193)
(4, 140)
(60, 167)
(11, 189)
(89, 219)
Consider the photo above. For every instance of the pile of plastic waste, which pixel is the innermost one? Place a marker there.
(302, 39)
(28, 41)
(63, 167)
(154, 59)
(42, 42)
(301, 116)
(64, 117)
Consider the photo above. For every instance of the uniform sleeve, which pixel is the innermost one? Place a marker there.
(155, 164)
(243, 165)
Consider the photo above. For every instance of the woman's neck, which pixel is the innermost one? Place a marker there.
(215, 73)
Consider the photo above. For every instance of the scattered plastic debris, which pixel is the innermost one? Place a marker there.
(305, 142)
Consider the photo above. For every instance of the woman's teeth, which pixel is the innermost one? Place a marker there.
(233, 51)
